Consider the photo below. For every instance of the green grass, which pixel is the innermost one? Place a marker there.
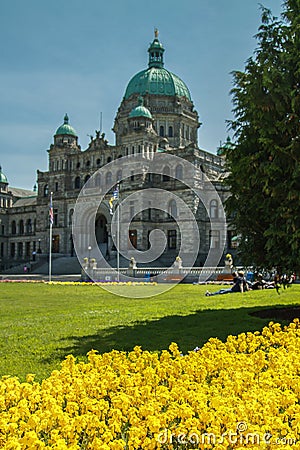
(41, 324)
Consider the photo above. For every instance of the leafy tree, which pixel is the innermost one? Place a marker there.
(263, 166)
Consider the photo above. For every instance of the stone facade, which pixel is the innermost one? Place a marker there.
(147, 123)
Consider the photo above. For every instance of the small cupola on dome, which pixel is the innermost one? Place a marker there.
(66, 128)
(65, 134)
(140, 110)
(156, 52)
(3, 178)
(221, 151)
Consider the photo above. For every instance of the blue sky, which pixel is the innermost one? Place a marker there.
(78, 56)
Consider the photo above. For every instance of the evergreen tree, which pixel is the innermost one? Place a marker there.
(264, 169)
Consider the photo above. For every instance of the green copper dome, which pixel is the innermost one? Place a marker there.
(227, 146)
(156, 80)
(66, 128)
(140, 110)
(3, 178)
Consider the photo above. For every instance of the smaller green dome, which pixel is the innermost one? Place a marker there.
(227, 146)
(66, 128)
(3, 178)
(140, 110)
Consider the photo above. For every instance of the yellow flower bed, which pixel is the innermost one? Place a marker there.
(86, 283)
(241, 393)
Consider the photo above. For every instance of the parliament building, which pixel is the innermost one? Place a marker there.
(156, 115)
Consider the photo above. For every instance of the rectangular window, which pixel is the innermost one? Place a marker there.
(148, 239)
(20, 249)
(149, 211)
(131, 210)
(214, 239)
(133, 237)
(172, 238)
(55, 218)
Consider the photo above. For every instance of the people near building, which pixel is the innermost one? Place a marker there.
(243, 281)
(238, 286)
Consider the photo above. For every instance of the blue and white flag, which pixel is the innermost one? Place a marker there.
(114, 197)
(116, 192)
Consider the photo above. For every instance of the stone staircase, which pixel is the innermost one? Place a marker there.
(64, 265)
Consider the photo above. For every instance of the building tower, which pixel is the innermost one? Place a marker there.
(167, 98)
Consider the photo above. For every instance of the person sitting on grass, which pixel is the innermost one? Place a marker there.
(238, 285)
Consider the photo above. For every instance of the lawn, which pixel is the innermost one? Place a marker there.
(41, 323)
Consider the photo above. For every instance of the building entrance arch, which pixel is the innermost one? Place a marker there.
(101, 234)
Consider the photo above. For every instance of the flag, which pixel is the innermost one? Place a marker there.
(111, 204)
(114, 197)
(116, 192)
(51, 210)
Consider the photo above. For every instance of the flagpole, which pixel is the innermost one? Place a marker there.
(114, 197)
(50, 237)
(118, 236)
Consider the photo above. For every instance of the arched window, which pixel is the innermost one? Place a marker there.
(98, 162)
(172, 239)
(179, 172)
(86, 178)
(162, 131)
(78, 165)
(28, 226)
(88, 163)
(98, 180)
(71, 212)
(108, 178)
(21, 227)
(172, 208)
(46, 190)
(13, 227)
(77, 183)
(170, 131)
(109, 159)
(119, 175)
(166, 173)
(214, 209)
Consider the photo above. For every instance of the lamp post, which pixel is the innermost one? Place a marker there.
(89, 249)
(39, 247)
